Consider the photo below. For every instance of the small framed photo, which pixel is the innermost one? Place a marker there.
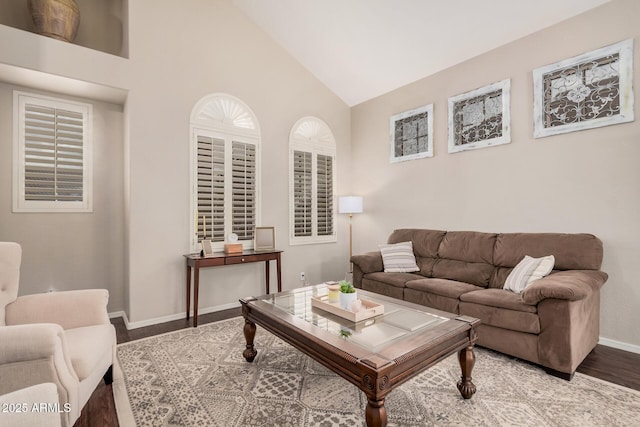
(207, 248)
(412, 134)
(480, 118)
(264, 239)
(587, 91)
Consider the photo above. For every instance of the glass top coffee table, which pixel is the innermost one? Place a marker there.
(375, 354)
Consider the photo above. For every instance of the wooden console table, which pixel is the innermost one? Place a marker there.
(197, 262)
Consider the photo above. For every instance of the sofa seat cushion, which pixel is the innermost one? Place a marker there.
(394, 279)
(442, 287)
(88, 345)
(500, 308)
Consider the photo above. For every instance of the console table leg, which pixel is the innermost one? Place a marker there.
(375, 413)
(278, 266)
(467, 359)
(266, 270)
(196, 287)
(188, 291)
(249, 333)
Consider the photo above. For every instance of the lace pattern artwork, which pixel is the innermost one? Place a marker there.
(412, 134)
(591, 90)
(480, 118)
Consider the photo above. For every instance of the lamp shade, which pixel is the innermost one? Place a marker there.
(350, 204)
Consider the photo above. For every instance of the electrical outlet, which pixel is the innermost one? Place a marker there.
(302, 276)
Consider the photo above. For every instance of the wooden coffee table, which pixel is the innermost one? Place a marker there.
(377, 354)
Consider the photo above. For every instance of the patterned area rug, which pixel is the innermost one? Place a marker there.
(198, 377)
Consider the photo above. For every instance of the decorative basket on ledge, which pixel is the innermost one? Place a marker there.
(57, 19)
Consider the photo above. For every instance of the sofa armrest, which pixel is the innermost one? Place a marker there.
(69, 309)
(569, 285)
(369, 262)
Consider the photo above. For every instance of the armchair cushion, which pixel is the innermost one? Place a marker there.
(87, 347)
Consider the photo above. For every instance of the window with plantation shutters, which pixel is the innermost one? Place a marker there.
(312, 182)
(225, 172)
(52, 154)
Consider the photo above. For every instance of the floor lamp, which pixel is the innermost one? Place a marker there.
(350, 205)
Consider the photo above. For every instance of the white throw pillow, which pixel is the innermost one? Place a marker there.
(528, 271)
(399, 258)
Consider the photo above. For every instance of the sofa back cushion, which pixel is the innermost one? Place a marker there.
(571, 251)
(465, 256)
(425, 246)
(577, 251)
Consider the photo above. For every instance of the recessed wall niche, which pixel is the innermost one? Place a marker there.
(103, 23)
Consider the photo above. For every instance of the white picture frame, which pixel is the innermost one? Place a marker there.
(587, 91)
(264, 239)
(480, 118)
(207, 248)
(411, 134)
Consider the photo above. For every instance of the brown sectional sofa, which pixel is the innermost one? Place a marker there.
(553, 323)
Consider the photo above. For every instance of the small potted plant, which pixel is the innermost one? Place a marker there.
(347, 294)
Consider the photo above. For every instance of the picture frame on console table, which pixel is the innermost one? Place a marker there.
(264, 239)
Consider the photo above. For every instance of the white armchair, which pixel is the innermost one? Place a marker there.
(60, 337)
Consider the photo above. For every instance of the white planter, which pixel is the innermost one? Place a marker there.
(346, 299)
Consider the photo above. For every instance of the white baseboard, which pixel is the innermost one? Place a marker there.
(619, 345)
(142, 323)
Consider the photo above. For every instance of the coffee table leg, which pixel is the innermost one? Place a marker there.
(467, 359)
(375, 413)
(249, 333)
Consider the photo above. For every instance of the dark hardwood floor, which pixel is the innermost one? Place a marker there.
(606, 363)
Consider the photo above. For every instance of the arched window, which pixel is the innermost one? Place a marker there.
(225, 171)
(312, 171)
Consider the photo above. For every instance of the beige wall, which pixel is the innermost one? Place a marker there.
(580, 182)
(181, 52)
(211, 47)
(587, 181)
(70, 251)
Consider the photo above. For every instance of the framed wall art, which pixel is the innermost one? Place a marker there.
(587, 91)
(480, 118)
(412, 134)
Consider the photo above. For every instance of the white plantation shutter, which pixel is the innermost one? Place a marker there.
(325, 195)
(52, 149)
(302, 194)
(210, 192)
(243, 189)
(312, 182)
(225, 171)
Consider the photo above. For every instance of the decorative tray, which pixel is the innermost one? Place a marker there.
(369, 308)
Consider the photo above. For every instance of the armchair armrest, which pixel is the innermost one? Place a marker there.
(369, 262)
(69, 309)
(569, 285)
(32, 342)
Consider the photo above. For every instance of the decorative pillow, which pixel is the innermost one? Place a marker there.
(528, 271)
(399, 258)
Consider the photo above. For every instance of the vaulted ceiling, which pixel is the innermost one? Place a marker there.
(361, 49)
